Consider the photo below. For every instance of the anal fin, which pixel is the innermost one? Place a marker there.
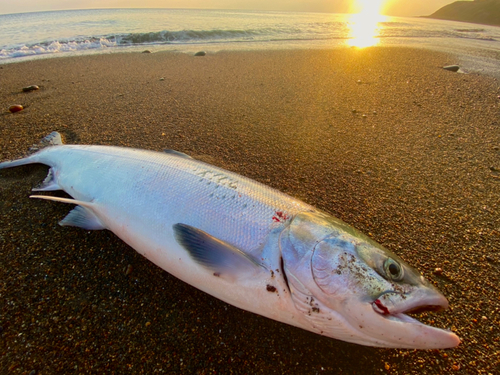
(81, 216)
(223, 259)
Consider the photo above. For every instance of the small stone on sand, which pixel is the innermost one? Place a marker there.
(451, 68)
(128, 270)
(438, 271)
(30, 88)
(15, 108)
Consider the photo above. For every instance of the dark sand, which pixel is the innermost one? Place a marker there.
(383, 138)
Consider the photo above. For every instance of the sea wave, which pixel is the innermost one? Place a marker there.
(55, 46)
(314, 32)
(135, 39)
(187, 36)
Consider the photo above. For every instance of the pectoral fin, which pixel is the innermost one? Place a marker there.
(223, 259)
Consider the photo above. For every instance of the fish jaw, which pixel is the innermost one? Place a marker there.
(396, 330)
(368, 322)
(420, 299)
(391, 309)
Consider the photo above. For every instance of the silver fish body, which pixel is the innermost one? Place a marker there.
(245, 243)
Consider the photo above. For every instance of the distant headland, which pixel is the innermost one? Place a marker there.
(486, 12)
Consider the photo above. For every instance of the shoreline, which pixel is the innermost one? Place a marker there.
(474, 57)
(382, 138)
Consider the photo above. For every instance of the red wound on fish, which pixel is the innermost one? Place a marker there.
(381, 307)
(280, 217)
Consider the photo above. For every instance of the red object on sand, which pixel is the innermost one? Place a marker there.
(16, 108)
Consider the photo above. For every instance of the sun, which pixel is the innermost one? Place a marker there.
(365, 23)
(372, 7)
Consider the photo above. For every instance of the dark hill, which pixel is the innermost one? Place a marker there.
(486, 12)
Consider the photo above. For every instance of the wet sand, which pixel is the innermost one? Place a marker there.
(382, 138)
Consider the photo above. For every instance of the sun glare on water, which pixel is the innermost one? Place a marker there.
(365, 24)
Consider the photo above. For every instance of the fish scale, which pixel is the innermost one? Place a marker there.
(228, 206)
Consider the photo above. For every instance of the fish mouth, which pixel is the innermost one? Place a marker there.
(385, 322)
(427, 308)
(394, 308)
(397, 304)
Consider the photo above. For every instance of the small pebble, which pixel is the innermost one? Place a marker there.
(451, 68)
(129, 269)
(146, 51)
(16, 108)
(359, 81)
(201, 53)
(30, 88)
(438, 271)
(162, 79)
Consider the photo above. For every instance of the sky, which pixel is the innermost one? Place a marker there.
(390, 7)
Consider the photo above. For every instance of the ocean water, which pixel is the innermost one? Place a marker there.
(62, 33)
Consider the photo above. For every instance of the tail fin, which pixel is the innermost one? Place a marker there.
(16, 163)
(53, 139)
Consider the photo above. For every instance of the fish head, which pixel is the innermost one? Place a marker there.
(351, 288)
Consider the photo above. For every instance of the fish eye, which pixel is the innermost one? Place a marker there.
(393, 270)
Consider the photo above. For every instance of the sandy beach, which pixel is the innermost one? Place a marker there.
(383, 138)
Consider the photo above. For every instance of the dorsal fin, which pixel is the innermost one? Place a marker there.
(223, 259)
(177, 153)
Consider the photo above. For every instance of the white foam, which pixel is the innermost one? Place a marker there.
(56, 47)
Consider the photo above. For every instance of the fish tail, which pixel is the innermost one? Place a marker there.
(53, 139)
(16, 163)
